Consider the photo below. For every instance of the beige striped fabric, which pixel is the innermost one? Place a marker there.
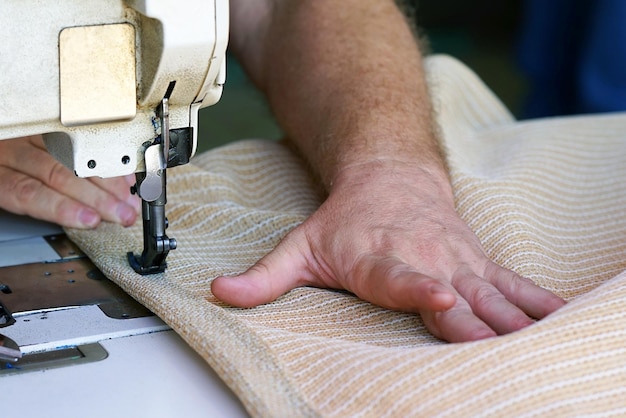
(547, 200)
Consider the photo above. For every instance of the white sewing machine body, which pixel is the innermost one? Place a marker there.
(89, 74)
(114, 87)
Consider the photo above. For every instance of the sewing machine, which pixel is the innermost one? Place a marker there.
(114, 87)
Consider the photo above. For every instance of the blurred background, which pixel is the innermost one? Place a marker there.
(527, 51)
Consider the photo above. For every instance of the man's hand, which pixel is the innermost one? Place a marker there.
(388, 234)
(33, 183)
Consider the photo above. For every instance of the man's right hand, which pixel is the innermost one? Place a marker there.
(33, 183)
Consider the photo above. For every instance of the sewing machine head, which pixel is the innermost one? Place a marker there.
(114, 87)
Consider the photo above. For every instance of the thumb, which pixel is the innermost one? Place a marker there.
(274, 275)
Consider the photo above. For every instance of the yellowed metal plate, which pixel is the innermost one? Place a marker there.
(97, 74)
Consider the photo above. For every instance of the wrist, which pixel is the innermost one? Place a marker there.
(383, 151)
(431, 177)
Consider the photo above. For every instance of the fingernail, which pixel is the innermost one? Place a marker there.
(88, 218)
(126, 214)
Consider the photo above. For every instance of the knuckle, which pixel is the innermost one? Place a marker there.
(484, 295)
(517, 284)
(25, 190)
(520, 282)
(260, 268)
(514, 286)
(58, 176)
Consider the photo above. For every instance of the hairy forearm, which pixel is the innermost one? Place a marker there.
(344, 79)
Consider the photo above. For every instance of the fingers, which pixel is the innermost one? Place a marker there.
(467, 308)
(34, 183)
(120, 188)
(488, 303)
(471, 310)
(532, 299)
(25, 195)
(59, 178)
(458, 324)
(500, 303)
(391, 283)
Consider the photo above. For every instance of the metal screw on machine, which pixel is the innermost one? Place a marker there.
(151, 187)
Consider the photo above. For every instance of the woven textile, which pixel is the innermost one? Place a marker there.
(546, 198)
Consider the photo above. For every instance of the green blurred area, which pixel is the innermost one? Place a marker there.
(241, 113)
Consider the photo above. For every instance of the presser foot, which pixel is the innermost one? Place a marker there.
(151, 187)
(142, 268)
(134, 262)
(157, 244)
(156, 249)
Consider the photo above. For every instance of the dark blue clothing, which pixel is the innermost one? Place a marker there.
(574, 55)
